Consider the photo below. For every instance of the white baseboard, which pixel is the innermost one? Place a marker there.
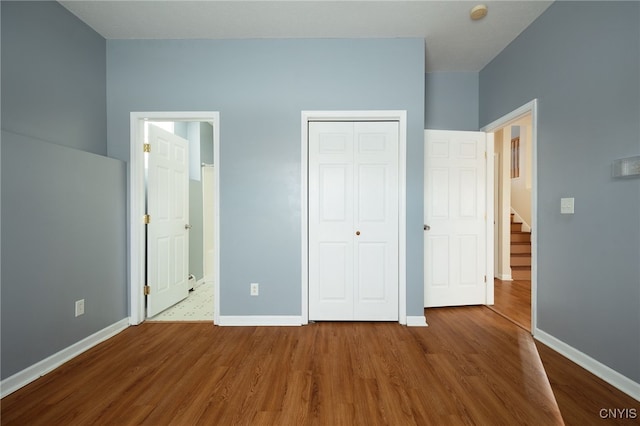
(607, 374)
(259, 320)
(504, 277)
(29, 374)
(416, 321)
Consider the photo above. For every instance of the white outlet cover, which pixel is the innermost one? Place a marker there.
(79, 307)
(567, 205)
(255, 289)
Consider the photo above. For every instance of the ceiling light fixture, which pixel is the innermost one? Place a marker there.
(478, 12)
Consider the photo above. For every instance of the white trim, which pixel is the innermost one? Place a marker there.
(504, 277)
(39, 369)
(528, 108)
(136, 204)
(259, 320)
(607, 374)
(394, 115)
(489, 177)
(417, 321)
(514, 115)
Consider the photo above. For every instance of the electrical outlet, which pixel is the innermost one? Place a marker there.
(79, 307)
(255, 289)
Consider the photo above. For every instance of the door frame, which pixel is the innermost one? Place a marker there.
(528, 108)
(136, 204)
(392, 115)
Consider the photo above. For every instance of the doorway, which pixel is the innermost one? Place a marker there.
(192, 296)
(516, 215)
(137, 255)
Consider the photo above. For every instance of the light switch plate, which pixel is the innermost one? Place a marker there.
(567, 205)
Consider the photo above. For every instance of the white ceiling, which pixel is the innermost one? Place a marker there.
(453, 41)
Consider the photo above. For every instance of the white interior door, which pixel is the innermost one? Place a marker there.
(167, 232)
(353, 221)
(455, 214)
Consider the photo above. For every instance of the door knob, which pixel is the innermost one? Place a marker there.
(187, 226)
(427, 227)
(357, 232)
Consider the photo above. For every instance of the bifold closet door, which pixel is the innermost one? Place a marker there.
(353, 221)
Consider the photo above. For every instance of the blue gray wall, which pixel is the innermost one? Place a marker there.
(582, 61)
(63, 206)
(451, 101)
(53, 76)
(260, 88)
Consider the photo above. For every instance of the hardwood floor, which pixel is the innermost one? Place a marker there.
(582, 396)
(512, 299)
(469, 366)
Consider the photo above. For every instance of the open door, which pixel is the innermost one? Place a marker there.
(168, 223)
(456, 219)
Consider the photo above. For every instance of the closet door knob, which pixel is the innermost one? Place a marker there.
(357, 232)
(187, 226)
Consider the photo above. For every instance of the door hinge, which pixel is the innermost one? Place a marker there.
(147, 147)
(485, 155)
(147, 290)
(146, 219)
(485, 278)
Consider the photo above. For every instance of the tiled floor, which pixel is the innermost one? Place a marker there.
(198, 306)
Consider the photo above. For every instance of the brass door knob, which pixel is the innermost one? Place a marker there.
(357, 232)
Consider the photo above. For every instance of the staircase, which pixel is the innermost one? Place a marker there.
(520, 252)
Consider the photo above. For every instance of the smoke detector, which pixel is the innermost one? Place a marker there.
(478, 12)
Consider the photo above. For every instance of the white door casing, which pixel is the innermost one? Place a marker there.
(528, 108)
(208, 229)
(167, 232)
(456, 215)
(353, 220)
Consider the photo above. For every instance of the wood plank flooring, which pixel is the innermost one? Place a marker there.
(512, 299)
(581, 396)
(470, 366)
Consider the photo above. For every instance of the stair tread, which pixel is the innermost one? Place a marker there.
(521, 254)
(521, 267)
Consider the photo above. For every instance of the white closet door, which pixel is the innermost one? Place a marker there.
(353, 221)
